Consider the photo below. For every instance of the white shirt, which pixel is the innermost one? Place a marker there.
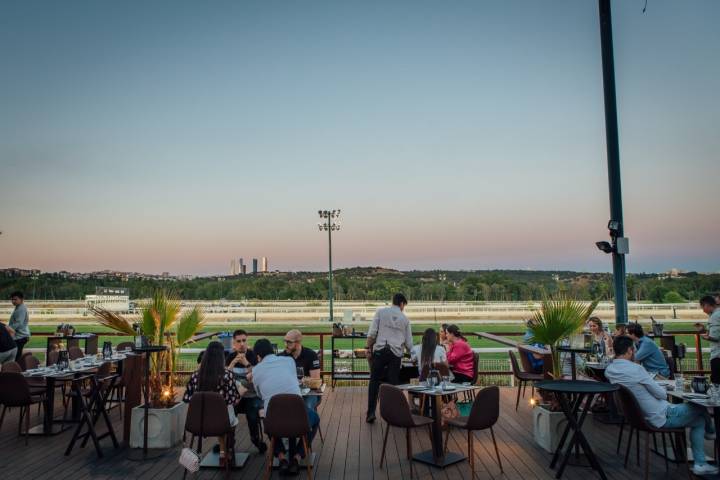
(651, 397)
(438, 357)
(275, 375)
(390, 327)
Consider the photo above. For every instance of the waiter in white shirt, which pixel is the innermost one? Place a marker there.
(388, 336)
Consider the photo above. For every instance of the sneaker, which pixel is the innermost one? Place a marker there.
(704, 469)
(370, 418)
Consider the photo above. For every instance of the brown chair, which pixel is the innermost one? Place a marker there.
(29, 362)
(635, 417)
(124, 346)
(52, 358)
(207, 416)
(75, 352)
(13, 367)
(484, 414)
(22, 360)
(15, 392)
(395, 410)
(522, 377)
(291, 422)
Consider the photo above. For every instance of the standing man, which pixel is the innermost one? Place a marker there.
(19, 321)
(304, 358)
(388, 336)
(710, 307)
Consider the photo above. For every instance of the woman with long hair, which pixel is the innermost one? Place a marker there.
(600, 336)
(429, 352)
(212, 376)
(460, 356)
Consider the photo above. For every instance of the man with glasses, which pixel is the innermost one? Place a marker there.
(304, 358)
(242, 357)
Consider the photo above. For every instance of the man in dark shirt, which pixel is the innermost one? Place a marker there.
(243, 357)
(305, 358)
(240, 356)
(7, 344)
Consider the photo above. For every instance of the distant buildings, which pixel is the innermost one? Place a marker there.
(255, 266)
(238, 267)
(264, 265)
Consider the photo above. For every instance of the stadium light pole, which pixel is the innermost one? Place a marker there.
(330, 222)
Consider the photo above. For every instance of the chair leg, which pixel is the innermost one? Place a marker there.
(447, 437)
(619, 442)
(2, 416)
(382, 455)
(22, 413)
(517, 401)
(409, 450)
(308, 457)
(27, 424)
(627, 450)
(637, 447)
(322, 439)
(269, 460)
(665, 451)
(647, 455)
(497, 452)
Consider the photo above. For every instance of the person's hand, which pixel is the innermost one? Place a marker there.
(249, 376)
(705, 336)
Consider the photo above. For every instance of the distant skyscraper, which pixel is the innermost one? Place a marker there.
(264, 265)
(255, 265)
(233, 267)
(241, 267)
(243, 270)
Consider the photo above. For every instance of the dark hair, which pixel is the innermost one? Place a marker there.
(427, 352)
(622, 344)
(263, 348)
(239, 331)
(708, 300)
(635, 329)
(398, 299)
(18, 294)
(212, 367)
(622, 328)
(596, 321)
(455, 330)
(443, 327)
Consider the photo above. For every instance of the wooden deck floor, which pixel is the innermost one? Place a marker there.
(351, 451)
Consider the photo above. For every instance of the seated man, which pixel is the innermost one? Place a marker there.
(242, 357)
(648, 354)
(274, 375)
(652, 399)
(305, 358)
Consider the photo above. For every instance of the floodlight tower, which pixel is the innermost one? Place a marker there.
(330, 222)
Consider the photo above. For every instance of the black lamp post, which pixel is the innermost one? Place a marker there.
(330, 223)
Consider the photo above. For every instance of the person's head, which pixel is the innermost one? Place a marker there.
(635, 331)
(443, 332)
(716, 295)
(624, 348)
(453, 333)
(620, 330)
(293, 341)
(212, 367)
(17, 298)
(708, 303)
(399, 300)
(429, 343)
(263, 348)
(240, 341)
(596, 325)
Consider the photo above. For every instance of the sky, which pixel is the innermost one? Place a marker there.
(174, 136)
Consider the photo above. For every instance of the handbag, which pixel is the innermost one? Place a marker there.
(189, 459)
(449, 411)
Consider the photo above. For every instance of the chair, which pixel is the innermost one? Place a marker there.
(15, 392)
(52, 358)
(207, 416)
(124, 346)
(291, 422)
(484, 414)
(522, 377)
(29, 362)
(395, 410)
(75, 352)
(671, 365)
(22, 360)
(636, 419)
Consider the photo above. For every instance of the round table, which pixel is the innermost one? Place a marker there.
(570, 395)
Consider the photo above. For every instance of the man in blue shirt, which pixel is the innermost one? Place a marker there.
(648, 354)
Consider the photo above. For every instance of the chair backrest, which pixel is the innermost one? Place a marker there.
(207, 415)
(715, 370)
(476, 367)
(286, 416)
(525, 361)
(485, 409)
(52, 358)
(394, 407)
(124, 346)
(14, 390)
(12, 367)
(442, 369)
(514, 364)
(75, 352)
(671, 364)
(631, 409)
(29, 362)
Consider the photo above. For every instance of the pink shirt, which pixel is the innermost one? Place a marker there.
(460, 357)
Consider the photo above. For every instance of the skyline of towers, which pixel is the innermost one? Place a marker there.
(238, 266)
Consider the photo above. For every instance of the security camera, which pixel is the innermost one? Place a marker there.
(605, 247)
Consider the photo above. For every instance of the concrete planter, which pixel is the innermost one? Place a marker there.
(165, 426)
(548, 427)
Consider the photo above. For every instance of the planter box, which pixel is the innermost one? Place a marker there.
(548, 427)
(165, 426)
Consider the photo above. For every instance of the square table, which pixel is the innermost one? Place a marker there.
(437, 457)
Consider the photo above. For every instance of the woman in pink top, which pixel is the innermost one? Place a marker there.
(460, 356)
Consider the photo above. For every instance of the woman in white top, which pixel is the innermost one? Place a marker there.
(428, 352)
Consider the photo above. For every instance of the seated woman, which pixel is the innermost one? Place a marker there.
(443, 336)
(599, 336)
(212, 376)
(460, 356)
(428, 352)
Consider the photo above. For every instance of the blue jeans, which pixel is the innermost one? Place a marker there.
(697, 420)
(294, 445)
(311, 402)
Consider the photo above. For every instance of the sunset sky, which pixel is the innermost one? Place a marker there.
(174, 136)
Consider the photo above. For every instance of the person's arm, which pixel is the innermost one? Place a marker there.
(372, 333)
(643, 352)
(315, 370)
(452, 354)
(408, 337)
(652, 386)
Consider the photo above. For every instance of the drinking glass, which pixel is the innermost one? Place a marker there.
(299, 372)
(679, 383)
(445, 382)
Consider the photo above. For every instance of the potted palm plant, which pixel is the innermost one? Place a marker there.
(163, 322)
(555, 321)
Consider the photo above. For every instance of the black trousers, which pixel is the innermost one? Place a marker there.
(460, 378)
(251, 406)
(385, 367)
(20, 344)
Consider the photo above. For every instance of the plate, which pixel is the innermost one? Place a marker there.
(449, 388)
(696, 396)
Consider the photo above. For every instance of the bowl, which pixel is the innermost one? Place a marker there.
(313, 383)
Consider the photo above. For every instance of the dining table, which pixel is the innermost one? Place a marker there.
(54, 377)
(702, 400)
(437, 456)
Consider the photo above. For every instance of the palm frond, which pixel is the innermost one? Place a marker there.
(188, 325)
(112, 320)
